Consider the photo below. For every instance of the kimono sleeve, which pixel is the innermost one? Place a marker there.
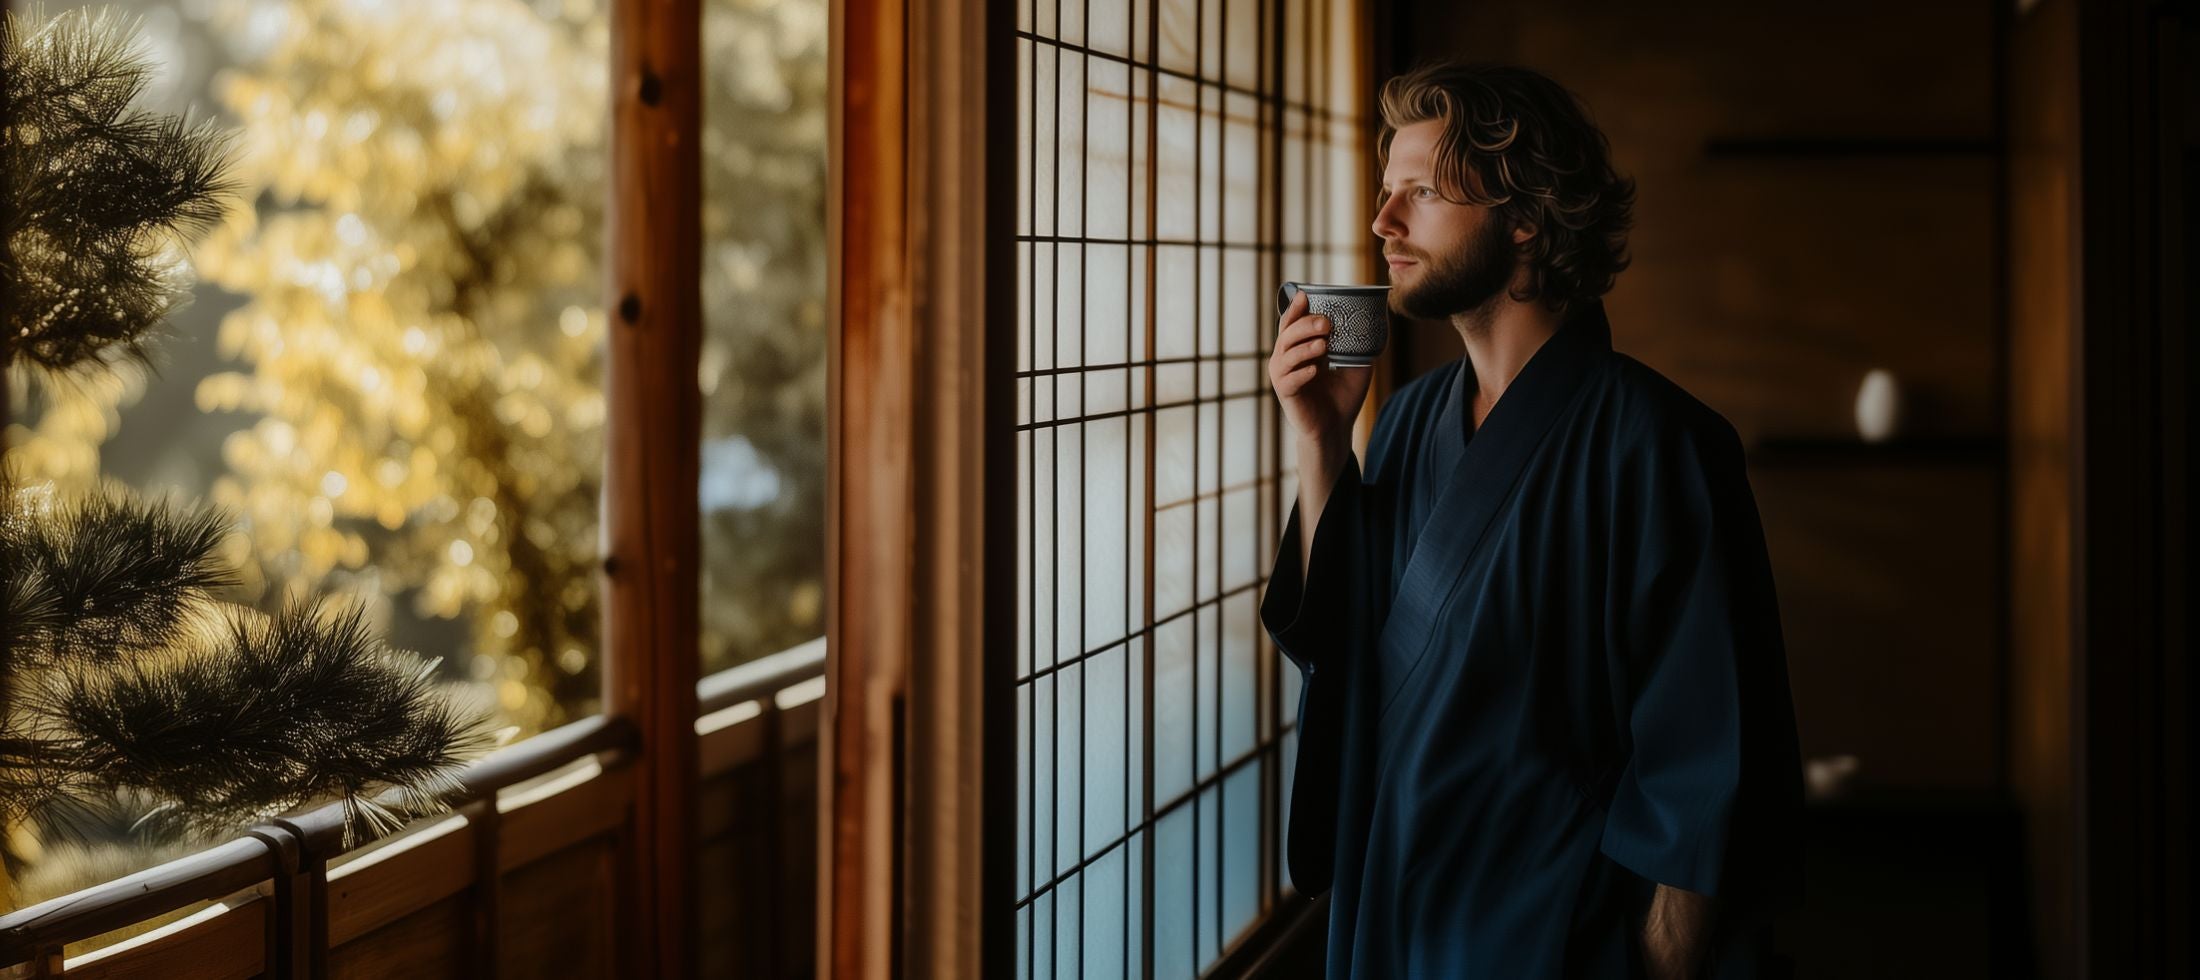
(1318, 617)
(1709, 797)
(1309, 612)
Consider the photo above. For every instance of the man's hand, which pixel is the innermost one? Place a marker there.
(1677, 934)
(1321, 403)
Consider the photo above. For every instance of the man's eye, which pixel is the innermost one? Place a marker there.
(1424, 192)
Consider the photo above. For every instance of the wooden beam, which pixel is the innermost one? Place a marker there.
(652, 461)
(868, 480)
(918, 432)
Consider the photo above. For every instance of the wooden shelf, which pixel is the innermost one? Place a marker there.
(1814, 148)
(1946, 451)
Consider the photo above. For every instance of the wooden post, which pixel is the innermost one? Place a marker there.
(652, 461)
(920, 479)
(868, 489)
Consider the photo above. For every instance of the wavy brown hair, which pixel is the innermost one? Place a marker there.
(1522, 145)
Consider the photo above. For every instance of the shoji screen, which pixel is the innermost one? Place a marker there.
(1177, 159)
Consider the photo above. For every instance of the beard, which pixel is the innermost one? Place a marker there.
(1462, 282)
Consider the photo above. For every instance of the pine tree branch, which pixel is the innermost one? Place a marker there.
(305, 707)
(104, 577)
(100, 195)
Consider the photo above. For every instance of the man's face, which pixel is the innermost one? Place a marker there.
(1445, 258)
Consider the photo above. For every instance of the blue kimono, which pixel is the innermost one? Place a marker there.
(1543, 674)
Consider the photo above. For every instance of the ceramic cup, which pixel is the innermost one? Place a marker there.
(1359, 318)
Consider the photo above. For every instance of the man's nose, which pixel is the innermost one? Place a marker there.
(1386, 225)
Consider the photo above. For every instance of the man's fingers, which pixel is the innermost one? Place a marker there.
(1293, 313)
(1289, 383)
(1307, 328)
(1291, 358)
(1301, 341)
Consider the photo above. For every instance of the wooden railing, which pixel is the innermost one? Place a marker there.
(519, 880)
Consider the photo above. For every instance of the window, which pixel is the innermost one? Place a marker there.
(763, 368)
(389, 374)
(1177, 159)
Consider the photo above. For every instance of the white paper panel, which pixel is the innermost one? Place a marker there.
(1041, 547)
(1240, 159)
(1106, 532)
(1066, 689)
(1069, 317)
(1206, 656)
(1173, 916)
(1240, 852)
(1209, 862)
(1242, 42)
(1240, 443)
(1209, 582)
(1104, 893)
(1343, 43)
(1141, 196)
(1240, 623)
(1110, 26)
(1108, 302)
(1041, 124)
(1176, 302)
(1068, 585)
(1296, 53)
(1113, 733)
(1172, 720)
(1108, 150)
(1023, 308)
(1025, 135)
(1172, 569)
(1248, 302)
(1024, 755)
(1177, 147)
(1208, 270)
(1075, 100)
(1179, 34)
(1210, 163)
(1041, 302)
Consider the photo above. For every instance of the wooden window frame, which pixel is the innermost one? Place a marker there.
(919, 397)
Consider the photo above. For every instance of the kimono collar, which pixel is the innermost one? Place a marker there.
(1552, 372)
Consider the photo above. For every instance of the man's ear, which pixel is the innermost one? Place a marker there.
(1523, 234)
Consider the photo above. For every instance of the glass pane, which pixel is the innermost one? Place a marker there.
(763, 366)
(388, 372)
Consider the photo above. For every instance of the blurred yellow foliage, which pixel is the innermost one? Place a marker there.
(422, 332)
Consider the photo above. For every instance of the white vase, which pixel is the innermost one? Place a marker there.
(1878, 406)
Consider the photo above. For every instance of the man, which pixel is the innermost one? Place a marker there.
(1545, 729)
